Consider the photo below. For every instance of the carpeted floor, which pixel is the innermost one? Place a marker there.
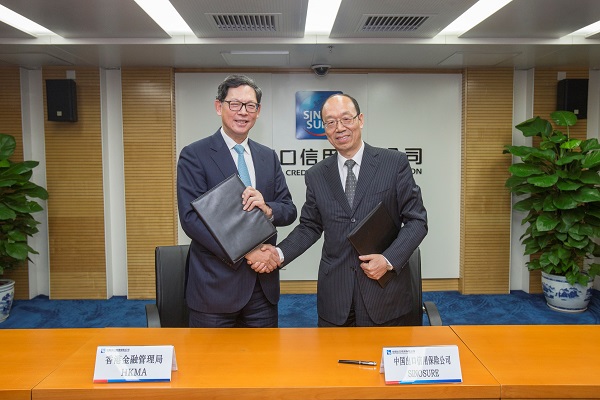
(299, 310)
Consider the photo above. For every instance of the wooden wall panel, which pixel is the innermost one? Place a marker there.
(149, 152)
(485, 202)
(10, 123)
(544, 103)
(76, 198)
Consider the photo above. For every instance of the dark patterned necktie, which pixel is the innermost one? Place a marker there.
(350, 181)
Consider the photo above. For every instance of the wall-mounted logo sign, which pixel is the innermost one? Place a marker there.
(308, 114)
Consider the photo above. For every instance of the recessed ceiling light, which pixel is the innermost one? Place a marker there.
(587, 30)
(320, 16)
(23, 24)
(473, 16)
(165, 15)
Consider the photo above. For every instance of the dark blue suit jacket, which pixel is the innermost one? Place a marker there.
(385, 176)
(213, 286)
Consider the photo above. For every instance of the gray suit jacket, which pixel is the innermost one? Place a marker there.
(213, 285)
(385, 176)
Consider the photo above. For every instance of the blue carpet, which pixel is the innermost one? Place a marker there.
(300, 310)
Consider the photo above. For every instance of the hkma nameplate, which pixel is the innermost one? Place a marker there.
(134, 364)
(414, 364)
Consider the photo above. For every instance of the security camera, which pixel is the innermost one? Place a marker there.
(320, 69)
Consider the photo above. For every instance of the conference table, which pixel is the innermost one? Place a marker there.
(539, 361)
(30, 355)
(511, 362)
(285, 363)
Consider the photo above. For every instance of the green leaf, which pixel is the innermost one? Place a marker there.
(576, 236)
(578, 244)
(549, 204)
(543, 181)
(589, 144)
(33, 190)
(535, 127)
(515, 180)
(568, 185)
(547, 155)
(19, 168)
(525, 170)
(564, 118)
(8, 145)
(590, 177)
(17, 236)
(524, 205)
(546, 222)
(6, 213)
(7, 182)
(531, 248)
(573, 215)
(594, 270)
(571, 144)
(586, 195)
(17, 250)
(569, 158)
(591, 160)
(518, 151)
(563, 253)
(564, 201)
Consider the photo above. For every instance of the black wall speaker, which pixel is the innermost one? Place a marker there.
(61, 100)
(572, 95)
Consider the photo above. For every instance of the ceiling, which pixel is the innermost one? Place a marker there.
(373, 34)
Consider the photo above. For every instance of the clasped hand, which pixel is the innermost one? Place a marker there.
(264, 259)
(373, 265)
(252, 198)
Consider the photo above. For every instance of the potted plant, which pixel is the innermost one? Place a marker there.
(559, 184)
(16, 221)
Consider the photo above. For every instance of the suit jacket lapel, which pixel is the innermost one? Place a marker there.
(259, 160)
(368, 172)
(222, 156)
(332, 177)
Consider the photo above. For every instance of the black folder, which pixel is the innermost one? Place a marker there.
(373, 235)
(235, 230)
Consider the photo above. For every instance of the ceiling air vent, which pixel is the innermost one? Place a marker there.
(246, 22)
(392, 23)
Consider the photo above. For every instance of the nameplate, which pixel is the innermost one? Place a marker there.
(134, 364)
(428, 364)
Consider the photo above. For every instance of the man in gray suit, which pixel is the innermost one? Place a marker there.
(348, 293)
(218, 293)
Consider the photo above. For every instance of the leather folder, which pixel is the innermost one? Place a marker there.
(373, 235)
(235, 230)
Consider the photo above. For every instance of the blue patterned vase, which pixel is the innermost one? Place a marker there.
(562, 296)
(7, 294)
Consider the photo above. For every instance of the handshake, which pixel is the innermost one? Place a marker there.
(264, 259)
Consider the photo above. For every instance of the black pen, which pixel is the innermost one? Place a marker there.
(357, 362)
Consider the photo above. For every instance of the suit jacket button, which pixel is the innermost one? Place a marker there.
(353, 220)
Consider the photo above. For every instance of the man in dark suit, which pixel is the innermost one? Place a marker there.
(348, 293)
(217, 293)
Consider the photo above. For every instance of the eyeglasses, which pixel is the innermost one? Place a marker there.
(332, 123)
(237, 106)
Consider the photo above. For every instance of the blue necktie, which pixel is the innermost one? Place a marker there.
(241, 164)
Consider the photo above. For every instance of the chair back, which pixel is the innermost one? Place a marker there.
(170, 264)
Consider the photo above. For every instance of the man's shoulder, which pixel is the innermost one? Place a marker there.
(323, 165)
(261, 147)
(385, 153)
(205, 142)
